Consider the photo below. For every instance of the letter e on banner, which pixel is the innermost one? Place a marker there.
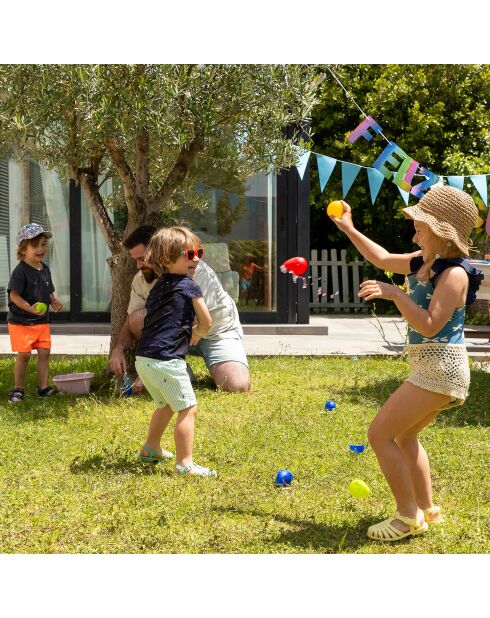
(389, 155)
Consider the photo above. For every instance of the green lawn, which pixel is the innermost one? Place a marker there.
(70, 481)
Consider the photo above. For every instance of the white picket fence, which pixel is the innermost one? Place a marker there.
(335, 282)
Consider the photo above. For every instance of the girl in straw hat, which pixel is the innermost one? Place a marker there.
(440, 283)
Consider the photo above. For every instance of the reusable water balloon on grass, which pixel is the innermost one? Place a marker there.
(359, 489)
(330, 405)
(283, 478)
(357, 448)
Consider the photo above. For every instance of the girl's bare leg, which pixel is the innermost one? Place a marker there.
(418, 462)
(407, 407)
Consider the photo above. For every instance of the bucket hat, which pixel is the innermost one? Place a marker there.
(449, 212)
(31, 230)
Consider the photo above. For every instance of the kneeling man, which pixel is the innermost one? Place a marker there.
(222, 348)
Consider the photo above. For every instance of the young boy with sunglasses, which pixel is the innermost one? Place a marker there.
(173, 303)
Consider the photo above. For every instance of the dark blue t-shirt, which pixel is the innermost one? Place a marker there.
(34, 286)
(170, 314)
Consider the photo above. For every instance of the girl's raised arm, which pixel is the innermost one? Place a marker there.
(376, 254)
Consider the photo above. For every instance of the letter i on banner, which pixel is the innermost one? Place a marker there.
(363, 128)
(404, 175)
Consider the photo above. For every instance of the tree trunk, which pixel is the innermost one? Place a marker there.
(123, 269)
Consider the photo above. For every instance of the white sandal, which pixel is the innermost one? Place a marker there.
(386, 531)
(195, 469)
(433, 515)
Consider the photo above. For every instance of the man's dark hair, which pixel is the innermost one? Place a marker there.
(140, 236)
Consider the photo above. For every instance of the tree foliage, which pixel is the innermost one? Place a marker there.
(148, 125)
(438, 114)
(155, 129)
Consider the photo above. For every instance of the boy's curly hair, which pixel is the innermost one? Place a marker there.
(166, 244)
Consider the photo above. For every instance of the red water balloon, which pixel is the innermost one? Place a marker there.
(296, 265)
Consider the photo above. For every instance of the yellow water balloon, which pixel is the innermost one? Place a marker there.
(359, 489)
(335, 209)
(41, 307)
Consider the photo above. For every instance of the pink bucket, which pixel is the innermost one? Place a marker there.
(75, 383)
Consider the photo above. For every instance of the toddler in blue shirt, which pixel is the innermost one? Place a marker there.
(176, 317)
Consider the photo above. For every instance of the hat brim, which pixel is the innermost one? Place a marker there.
(44, 233)
(441, 229)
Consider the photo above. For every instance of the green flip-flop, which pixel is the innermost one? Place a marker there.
(155, 455)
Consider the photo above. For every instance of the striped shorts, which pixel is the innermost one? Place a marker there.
(167, 382)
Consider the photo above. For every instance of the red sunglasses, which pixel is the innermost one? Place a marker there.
(190, 253)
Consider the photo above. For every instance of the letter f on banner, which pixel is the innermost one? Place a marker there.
(363, 129)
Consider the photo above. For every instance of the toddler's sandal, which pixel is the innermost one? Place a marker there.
(49, 391)
(385, 531)
(195, 469)
(16, 395)
(154, 455)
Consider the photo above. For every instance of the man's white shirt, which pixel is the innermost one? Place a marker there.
(226, 321)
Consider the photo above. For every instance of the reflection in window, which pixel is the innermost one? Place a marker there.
(238, 231)
(96, 275)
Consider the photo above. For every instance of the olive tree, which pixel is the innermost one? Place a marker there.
(154, 129)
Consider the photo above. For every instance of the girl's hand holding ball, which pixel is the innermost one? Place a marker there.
(340, 213)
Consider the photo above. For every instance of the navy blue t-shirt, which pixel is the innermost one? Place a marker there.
(34, 286)
(168, 324)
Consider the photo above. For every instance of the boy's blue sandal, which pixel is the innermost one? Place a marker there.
(16, 395)
(195, 469)
(155, 455)
(49, 391)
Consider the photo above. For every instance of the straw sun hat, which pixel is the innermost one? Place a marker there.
(450, 213)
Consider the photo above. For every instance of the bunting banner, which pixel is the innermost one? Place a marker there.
(375, 179)
(393, 164)
(349, 174)
(325, 168)
(303, 162)
(381, 172)
(480, 182)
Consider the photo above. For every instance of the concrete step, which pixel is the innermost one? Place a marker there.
(104, 328)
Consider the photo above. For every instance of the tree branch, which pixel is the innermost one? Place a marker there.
(89, 185)
(176, 176)
(126, 175)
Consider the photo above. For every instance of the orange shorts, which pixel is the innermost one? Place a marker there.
(25, 338)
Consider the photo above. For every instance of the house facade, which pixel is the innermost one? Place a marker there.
(247, 234)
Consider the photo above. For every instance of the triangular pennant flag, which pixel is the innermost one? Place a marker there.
(349, 174)
(404, 194)
(456, 181)
(375, 178)
(480, 182)
(303, 162)
(325, 169)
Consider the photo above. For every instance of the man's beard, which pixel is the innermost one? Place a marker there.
(149, 275)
